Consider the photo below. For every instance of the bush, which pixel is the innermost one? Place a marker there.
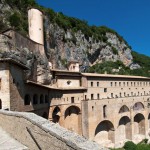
(114, 50)
(15, 20)
(64, 62)
(129, 146)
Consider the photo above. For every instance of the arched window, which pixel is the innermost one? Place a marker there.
(104, 111)
(35, 99)
(56, 114)
(27, 100)
(41, 99)
(138, 106)
(123, 109)
(46, 98)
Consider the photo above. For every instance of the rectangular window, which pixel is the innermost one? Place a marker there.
(111, 83)
(105, 89)
(112, 95)
(119, 83)
(97, 84)
(92, 96)
(120, 94)
(104, 111)
(97, 96)
(91, 84)
(85, 97)
(124, 94)
(72, 99)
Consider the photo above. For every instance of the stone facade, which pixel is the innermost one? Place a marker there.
(113, 108)
(109, 109)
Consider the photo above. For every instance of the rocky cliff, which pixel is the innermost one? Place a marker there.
(61, 47)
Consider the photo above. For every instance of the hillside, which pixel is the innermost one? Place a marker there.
(98, 49)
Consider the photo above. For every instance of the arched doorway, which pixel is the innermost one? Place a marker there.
(104, 133)
(124, 129)
(72, 119)
(139, 124)
(56, 115)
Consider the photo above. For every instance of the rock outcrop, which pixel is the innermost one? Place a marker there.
(21, 49)
(61, 45)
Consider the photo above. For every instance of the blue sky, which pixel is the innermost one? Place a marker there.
(130, 18)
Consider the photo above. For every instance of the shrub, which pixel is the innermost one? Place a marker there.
(115, 51)
(129, 146)
(64, 62)
(15, 20)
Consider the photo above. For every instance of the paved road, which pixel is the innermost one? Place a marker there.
(9, 143)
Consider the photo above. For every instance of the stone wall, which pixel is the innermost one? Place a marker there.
(4, 86)
(48, 135)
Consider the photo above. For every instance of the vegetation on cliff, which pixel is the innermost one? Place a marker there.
(119, 68)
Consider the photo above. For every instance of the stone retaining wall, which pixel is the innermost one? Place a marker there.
(48, 135)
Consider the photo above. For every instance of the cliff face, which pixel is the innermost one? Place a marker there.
(61, 44)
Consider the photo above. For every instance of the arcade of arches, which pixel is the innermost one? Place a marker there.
(70, 118)
(129, 124)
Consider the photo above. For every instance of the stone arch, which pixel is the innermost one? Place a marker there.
(35, 99)
(105, 132)
(72, 110)
(123, 109)
(139, 124)
(138, 106)
(124, 129)
(27, 99)
(41, 99)
(72, 119)
(45, 115)
(56, 114)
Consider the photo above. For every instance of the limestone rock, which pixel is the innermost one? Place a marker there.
(66, 44)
